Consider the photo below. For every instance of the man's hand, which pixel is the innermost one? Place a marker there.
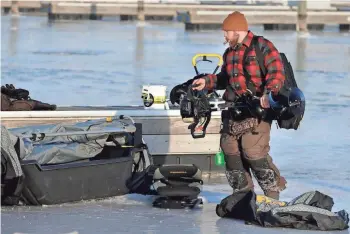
(199, 83)
(264, 101)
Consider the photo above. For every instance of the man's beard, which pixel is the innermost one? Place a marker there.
(231, 42)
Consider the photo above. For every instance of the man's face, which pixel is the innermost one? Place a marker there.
(231, 37)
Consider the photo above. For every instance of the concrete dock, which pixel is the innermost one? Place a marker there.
(286, 19)
(195, 14)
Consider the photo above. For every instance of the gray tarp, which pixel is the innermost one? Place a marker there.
(8, 142)
(61, 149)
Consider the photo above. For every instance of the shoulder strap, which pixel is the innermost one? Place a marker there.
(254, 45)
(259, 55)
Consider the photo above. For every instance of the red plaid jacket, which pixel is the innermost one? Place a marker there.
(232, 68)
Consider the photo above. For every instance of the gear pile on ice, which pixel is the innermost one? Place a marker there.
(17, 99)
(176, 186)
(309, 211)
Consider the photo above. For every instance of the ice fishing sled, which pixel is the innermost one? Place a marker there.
(53, 164)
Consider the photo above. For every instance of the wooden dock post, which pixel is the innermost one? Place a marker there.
(344, 27)
(302, 16)
(140, 10)
(93, 14)
(14, 8)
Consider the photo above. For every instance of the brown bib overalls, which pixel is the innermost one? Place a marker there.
(245, 144)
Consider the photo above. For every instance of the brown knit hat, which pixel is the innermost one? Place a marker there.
(235, 21)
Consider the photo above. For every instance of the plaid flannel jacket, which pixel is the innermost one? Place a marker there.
(232, 68)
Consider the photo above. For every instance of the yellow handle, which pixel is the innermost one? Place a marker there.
(194, 59)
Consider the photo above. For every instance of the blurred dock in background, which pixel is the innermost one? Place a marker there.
(196, 14)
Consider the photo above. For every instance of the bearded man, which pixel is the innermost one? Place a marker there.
(245, 139)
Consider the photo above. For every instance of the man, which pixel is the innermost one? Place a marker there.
(245, 140)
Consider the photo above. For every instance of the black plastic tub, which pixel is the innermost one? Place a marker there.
(102, 176)
(76, 181)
